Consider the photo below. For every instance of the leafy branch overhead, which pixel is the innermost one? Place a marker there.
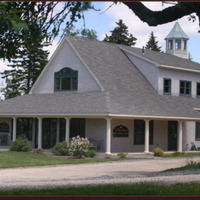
(15, 17)
(51, 20)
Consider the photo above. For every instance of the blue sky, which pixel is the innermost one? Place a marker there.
(104, 23)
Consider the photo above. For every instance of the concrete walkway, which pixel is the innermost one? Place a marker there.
(130, 171)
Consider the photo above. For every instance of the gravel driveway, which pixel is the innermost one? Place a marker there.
(130, 171)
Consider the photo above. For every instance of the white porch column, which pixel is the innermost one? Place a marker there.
(14, 128)
(108, 136)
(180, 136)
(146, 149)
(39, 132)
(67, 130)
(57, 130)
(33, 132)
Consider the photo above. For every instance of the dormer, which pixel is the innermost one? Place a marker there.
(176, 42)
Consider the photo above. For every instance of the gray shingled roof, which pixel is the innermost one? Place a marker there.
(62, 103)
(126, 91)
(164, 58)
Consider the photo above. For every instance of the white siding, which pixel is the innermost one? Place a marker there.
(66, 57)
(189, 135)
(175, 77)
(149, 71)
(96, 128)
(122, 144)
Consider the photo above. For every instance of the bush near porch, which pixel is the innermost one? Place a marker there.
(78, 147)
(20, 144)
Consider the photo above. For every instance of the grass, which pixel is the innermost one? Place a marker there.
(11, 159)
(125, 189)
(189, 166)
(180, 154)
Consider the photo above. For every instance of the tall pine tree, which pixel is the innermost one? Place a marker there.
(120, 35)
(27, 64)
(152, 44)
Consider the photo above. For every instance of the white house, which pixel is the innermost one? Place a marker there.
(121, 98)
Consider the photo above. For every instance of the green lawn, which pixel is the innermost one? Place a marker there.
(128, 189)
(11, 159)
(180, 155)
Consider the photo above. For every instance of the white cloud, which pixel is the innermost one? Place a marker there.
(141, 30)
(52, 48)
(3, 65)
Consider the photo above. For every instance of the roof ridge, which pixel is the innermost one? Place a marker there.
(97, 41)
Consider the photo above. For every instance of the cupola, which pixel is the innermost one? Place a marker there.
(176, 42)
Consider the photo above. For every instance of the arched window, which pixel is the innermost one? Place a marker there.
(66, 80)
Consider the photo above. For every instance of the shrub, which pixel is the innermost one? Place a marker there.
(158, 152)
(90, 153)
(79, 146)
(20, 144)
(122, 155)
(61, 149)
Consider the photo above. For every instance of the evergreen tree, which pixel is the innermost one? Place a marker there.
(27, 64)
(12, 88)
(120, 35)
(85, 33)
(152, 44)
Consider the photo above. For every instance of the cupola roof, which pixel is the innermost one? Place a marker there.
(177, 32)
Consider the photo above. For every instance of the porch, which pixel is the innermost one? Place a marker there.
(109, 135)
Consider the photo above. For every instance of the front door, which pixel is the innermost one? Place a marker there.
(172, 136)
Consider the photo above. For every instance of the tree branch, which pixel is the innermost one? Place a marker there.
(154, 18)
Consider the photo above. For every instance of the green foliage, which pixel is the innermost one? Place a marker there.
(178, 154)
(152, 44)
(192, 165)
(18, 17)
(84, 33)
(12, 88)
(12, 159)
(122, 155)
(158, 152)
(20, 144)
(114, 189)
(27, 64)
(61, 149)
(90, 153)
(120, 35)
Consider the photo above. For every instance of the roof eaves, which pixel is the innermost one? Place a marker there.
(178, 68)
